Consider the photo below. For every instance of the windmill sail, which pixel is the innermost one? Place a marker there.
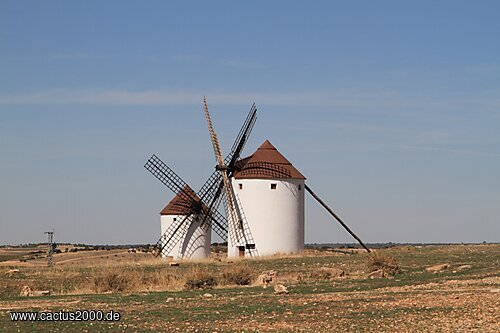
(236, 225)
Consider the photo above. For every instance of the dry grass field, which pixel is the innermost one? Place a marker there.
(328, 291)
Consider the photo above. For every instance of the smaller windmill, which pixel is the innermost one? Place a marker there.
(191, 206)
(200, 208)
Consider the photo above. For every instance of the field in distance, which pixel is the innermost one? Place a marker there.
(445, 288)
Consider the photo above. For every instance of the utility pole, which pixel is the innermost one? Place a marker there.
(50, 235)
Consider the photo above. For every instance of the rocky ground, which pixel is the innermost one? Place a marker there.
(439, 289)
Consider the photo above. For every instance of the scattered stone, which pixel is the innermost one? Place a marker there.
(266, 277)
(328, 273)
(379, 273)
(437, 268)
(170, 299)
(173, 264)
(280, 289)
(461, 268)
(11, 272)
(496, 290)
(207, 295)
(41, 293)
(336, 272)
(26, 291)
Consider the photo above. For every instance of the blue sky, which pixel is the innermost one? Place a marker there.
(391, 109)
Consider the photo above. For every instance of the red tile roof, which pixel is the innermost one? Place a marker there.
(180, 205)
(266, 163)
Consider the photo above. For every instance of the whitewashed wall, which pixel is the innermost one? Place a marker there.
(196, 244)
(275, 216)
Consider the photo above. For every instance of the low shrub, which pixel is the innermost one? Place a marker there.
(200, 279)
(240, 275)
(378, 260)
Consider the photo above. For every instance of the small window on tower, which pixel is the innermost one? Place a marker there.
(175, 219)
(300, 187)
(273, 186)
(240, 186)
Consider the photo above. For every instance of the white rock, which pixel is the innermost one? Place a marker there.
(280, 289)
(437, 268)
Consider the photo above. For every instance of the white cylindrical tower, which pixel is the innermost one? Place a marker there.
(195, 242)
(166, 220)
(271, 194)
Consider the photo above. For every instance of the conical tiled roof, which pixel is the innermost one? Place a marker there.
(266, 163)
(180, 204)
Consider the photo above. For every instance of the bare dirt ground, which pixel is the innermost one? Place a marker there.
(152, 296)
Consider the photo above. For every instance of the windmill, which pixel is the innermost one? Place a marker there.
(198, 207)
(240, 235)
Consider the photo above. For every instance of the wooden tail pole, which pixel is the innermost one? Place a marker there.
(336, 217)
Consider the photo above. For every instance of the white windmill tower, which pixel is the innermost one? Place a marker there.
(271, 193)
(195, 238)
(264, 201)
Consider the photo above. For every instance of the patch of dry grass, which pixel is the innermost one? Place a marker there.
(416, 301)
(198, 278)
(113, 280)
(120, 280)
